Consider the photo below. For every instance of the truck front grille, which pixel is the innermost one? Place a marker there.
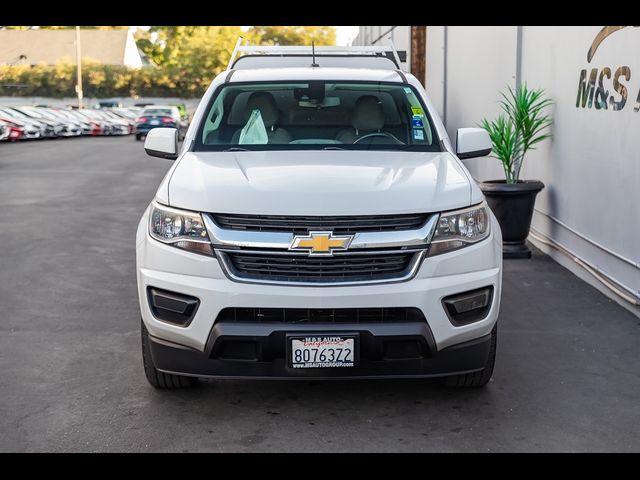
(324, 315)
(340, 268)
(339, 225)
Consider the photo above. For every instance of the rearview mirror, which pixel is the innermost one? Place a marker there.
(473, 142)
(162, 142)
(326, 102)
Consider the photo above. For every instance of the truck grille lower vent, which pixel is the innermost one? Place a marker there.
(328, 315)
(304, 268)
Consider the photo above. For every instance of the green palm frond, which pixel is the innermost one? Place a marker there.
(523, 124)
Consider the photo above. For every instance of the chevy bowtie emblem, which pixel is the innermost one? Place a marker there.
(321, 243)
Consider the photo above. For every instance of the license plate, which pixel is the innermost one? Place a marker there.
(322, 351)
(155, 122)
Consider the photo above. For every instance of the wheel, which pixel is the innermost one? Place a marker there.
(156, 378)
(138, 137)
(481, 378)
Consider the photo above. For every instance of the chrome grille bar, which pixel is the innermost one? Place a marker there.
(221, 237)
(372, 257)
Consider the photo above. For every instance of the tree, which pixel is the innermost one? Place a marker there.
(288, 35)
(194, 55)
(22, 27)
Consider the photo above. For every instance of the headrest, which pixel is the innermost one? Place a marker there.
(264, 102)
(368, 113)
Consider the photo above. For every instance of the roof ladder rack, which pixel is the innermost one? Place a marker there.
(290, 50)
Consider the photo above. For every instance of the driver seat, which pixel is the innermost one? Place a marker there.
(367, 117)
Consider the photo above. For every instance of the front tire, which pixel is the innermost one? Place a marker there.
(481, 378)
(138, 137)
(158, 379)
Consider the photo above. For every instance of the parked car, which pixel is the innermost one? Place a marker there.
(160, 116)
(106, 127)
(108, 104)
(15, 127)
(83, 123)
(127, 113)
(22, 129)
(4, 131)
(318, 224)
(35, 115)
(121, 121)
(135, 111)
(13, 114)
(72, 127)
(118, 126)
(95, 126)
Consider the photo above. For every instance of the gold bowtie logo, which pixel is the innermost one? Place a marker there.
(321, 243)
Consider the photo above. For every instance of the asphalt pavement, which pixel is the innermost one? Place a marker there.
(567, 376)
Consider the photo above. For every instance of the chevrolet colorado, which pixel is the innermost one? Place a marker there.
(318, 223)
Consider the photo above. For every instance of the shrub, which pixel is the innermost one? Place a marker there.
(99, 81)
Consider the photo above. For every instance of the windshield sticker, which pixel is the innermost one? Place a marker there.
(418, 134)
(417, 121)
(417, 111)
(408, 91)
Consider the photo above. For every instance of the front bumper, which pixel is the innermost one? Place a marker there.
(30, 134)
(193, 350)
(375, 361)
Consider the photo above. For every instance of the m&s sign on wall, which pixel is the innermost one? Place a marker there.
(612, 89)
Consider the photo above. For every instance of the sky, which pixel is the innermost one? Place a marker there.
(345, 35)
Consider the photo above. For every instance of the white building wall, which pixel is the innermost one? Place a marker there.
(472, 82)
(435, 68)
(379, 35)
(591, 168)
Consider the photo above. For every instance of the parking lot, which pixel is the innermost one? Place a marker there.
(566, 378)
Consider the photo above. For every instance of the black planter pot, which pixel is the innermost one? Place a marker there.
(512, 204)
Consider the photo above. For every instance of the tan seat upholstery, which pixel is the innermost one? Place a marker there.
(265, 102)
(367, 117)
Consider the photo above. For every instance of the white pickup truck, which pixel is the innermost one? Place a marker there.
(318, 223)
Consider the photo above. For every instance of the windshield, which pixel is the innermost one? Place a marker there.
(42, 114)
(94, 114)
(57, 115)
(27, 112)
(317, 115)
(13, 113)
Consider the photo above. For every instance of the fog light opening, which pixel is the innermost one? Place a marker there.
(468, 307)
(172, 307)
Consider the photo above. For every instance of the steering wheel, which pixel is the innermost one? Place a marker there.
(377, 134)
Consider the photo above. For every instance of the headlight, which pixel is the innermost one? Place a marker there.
(179, 228)
(460, 228)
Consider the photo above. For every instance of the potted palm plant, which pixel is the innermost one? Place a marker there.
(522, 125)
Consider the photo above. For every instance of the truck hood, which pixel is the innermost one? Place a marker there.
(318, 182)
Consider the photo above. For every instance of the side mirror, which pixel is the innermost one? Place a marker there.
(162, 142)
(473, 142)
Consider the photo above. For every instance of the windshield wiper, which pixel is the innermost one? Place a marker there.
(236, 149)
(333, 148)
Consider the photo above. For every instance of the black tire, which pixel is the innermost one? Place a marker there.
(158, 379)
(138, 137)
(481, 378)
